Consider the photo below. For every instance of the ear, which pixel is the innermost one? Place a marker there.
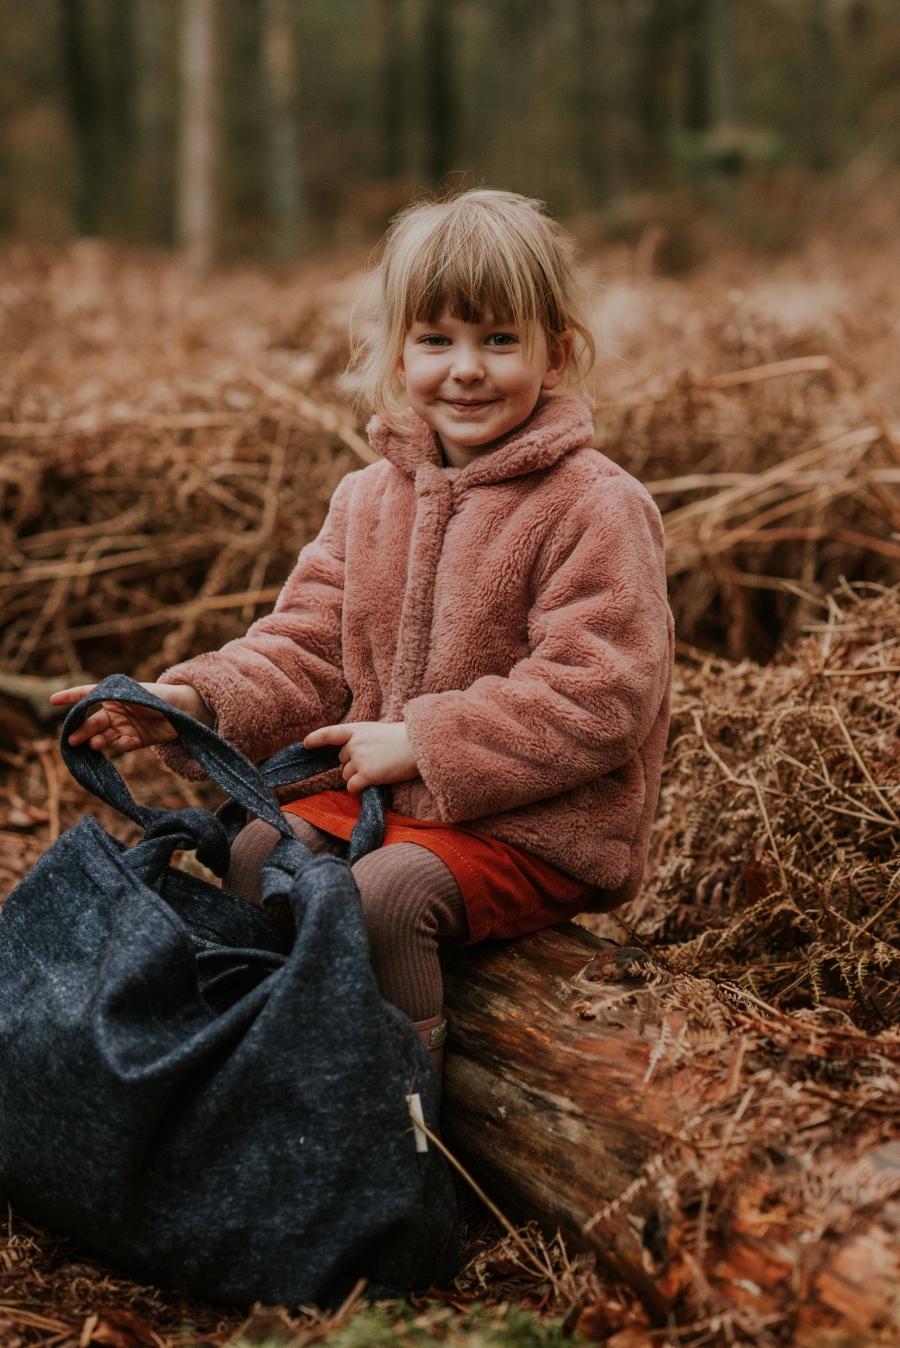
(401, 372)
(559, 353)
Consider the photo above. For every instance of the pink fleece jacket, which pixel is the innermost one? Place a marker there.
(513, 613)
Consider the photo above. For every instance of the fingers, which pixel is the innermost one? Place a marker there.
(329, 734)
(95, 727)
(66, 696)
(112, 740)
(356, 777)
(108, 727)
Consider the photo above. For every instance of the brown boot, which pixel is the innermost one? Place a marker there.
(433, 1032)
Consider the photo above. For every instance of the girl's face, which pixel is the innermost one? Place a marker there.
(473, 383)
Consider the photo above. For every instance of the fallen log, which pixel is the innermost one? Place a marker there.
(639, 1121)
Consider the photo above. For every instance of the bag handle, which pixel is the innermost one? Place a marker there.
(249, 788)
(225, 764)
(296, 763)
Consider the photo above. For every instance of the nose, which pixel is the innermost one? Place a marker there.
(467, 366)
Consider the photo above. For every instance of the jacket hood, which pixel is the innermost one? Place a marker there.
(560, 425)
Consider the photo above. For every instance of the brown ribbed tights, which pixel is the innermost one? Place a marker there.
(410, 901)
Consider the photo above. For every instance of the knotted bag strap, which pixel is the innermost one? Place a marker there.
(250, 788)
(165, 830)
(296, 763)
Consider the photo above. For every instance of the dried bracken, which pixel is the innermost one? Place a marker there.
(167, 446)
(775, 852)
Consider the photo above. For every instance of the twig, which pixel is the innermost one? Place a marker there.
(811, 533)
(712, 753)
(862, 767)
(811, 365)
(270, 516)
(856, 673)
(765, 815)
(319, 416)
(893, 893)
(488, 1202)
(45, 754)
(717, 1166)
(32, 1320)
(160, 617)
(55, 599)
(100, 421)
(167, 549)
(773, 370)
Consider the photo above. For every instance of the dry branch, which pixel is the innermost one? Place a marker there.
(326, 417)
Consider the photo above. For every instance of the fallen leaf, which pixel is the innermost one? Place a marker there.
(26, 818)
(632, 1337)
(600, 1320)
(122, 1329)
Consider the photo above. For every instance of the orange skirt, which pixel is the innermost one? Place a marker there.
(507, 892)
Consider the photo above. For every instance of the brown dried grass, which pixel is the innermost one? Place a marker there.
(774, 861)
(166, 448)
(55, 1295)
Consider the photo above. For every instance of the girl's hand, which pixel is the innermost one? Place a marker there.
(373, 753)
(123, 726)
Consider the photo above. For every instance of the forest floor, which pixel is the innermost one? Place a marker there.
(168, 444)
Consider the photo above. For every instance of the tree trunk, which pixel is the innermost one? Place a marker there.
(118, 75)
(153, 95)
(656, 55)
(591, 100)
(721, 63)
(392, 89)
(439, 88)
(86, 114)
(285, 188)
(712, 84)
(566, 1111)
(821, 81)
(198, 141)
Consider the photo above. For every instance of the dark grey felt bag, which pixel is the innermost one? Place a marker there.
(206, 1096)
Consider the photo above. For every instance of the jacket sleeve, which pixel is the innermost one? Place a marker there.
(585, 698)
(285, 677)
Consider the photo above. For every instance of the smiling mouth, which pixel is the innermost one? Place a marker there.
(464, 405)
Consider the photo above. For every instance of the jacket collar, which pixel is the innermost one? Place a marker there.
(561, 424)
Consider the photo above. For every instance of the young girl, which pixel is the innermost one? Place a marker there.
(481, 623)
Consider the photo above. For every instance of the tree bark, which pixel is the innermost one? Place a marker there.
(86, 114)
(713, 90)
(821, 81)
(721, 63)
(198, 141)
(153, 97)
(591, 104)
(656, 55)
(574, 1121)
(285, 186)
(439, 88)
(392, 88)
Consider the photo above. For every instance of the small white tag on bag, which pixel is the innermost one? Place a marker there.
(415, 1108)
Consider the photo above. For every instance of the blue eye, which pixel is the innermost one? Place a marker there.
(502, 339)
(434, 339)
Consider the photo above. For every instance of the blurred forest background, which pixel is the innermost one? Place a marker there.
(247, 127)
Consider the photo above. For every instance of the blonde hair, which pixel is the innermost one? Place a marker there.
(476, 254)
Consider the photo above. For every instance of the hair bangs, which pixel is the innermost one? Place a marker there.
(463, 272)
